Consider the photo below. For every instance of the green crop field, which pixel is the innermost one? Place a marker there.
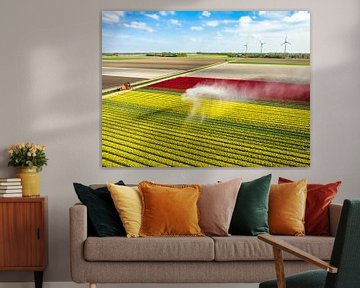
(122, 57)
(157, 129)
(264, 62)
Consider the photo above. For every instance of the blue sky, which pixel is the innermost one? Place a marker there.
(204, 31)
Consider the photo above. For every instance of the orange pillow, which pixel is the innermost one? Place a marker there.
(287, 204)
(169, 210)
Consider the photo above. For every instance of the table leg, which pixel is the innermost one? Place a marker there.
(38, 279)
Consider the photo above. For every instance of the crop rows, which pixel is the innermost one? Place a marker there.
(186, 135)
(229, 156)
(143, 129)
(251, 131)
(190, 128)
(247, 113)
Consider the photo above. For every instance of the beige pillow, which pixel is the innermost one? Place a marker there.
(216, 206)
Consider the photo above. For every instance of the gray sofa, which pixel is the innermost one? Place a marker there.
(234, 259)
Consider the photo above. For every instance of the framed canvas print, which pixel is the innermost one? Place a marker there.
(205, 88)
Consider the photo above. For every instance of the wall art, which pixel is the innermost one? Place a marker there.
(205, 88)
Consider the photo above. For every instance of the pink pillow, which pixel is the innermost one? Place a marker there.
(216, 206)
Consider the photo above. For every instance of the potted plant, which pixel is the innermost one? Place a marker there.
(30, 158)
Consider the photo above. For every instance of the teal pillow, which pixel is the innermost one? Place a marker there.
(250, 216)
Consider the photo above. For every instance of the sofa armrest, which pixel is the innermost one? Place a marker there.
(78, 235)
(279, 246)
(334, 216)
(284, 246)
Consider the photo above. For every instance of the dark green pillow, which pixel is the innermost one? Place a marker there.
(103, 218)
(250, 216)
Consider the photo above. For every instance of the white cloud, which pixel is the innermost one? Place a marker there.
(120, 13)
(153, 16)
(297, 17)
(213, 23)
(272, 28)
(124, 36)
(228, 21)
(245, 20)
(274, 15)
(219, 35)
(206, 14)
(175, 22)
(138, 25)
(165, 13)
(112, 17)
(196, 28)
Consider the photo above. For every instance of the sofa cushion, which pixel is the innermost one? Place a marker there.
(250, 215)
(216, 206)
(169, 210)
(318, 199)
(287, 204)
(127, 201)
(149, 249)
(102, 216)
(244, 248)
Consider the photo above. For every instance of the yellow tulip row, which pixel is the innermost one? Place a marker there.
(272, 116)
(221, 129)
(193, 150)
(153, 129)
(204, 137)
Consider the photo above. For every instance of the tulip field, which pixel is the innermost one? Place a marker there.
(155, 126)
(255, 89)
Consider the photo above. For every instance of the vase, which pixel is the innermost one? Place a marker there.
(30, 181)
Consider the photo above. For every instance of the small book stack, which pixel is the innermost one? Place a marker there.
(10, 187)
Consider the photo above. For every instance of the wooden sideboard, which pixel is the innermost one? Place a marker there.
(23, 235)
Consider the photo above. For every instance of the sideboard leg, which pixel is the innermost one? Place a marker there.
(38, 279)
(92, 285)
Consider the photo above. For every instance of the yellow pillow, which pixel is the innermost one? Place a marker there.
(127, 201)
(169, 210)
(287, 204)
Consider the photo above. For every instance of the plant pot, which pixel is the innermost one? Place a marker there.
(30, 181)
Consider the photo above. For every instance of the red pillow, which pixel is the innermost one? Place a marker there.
(319, 197)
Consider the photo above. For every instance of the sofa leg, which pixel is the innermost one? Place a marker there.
(92, 285)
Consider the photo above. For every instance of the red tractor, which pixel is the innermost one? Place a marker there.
(125, 86)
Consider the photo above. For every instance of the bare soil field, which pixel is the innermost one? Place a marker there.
(113, 81)
(145, 73)
(161, 63)
(114, 73)
(276, 73)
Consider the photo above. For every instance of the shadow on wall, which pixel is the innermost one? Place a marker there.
(4, 159)
(53, 78)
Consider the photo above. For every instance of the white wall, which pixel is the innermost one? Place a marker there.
(50, 93)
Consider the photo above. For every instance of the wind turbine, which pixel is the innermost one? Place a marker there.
(285, 43)
(261, 45)
(246, 47)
